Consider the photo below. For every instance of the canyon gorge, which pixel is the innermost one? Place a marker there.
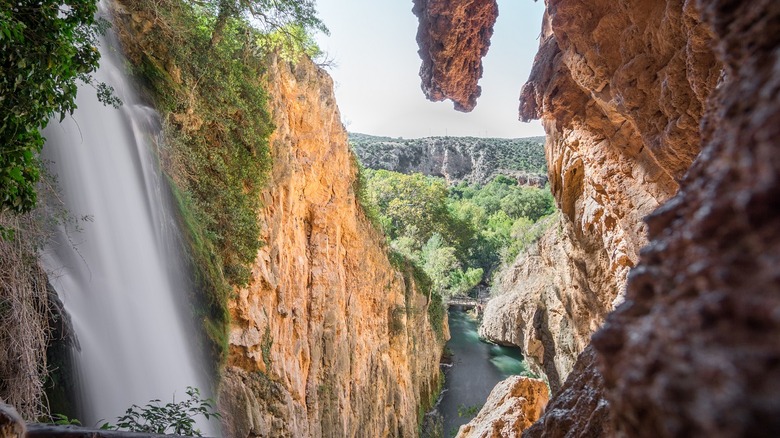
(650, 306)
(647, 105)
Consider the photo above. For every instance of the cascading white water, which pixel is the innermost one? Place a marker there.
(119, 275)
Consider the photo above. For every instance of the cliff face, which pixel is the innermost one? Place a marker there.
(544, 304)
(512, 406)
(620, 89)
(329, 339)
(693, 350)
(456, 159)
(698, 332)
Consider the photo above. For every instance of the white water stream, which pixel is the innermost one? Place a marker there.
(120, 276)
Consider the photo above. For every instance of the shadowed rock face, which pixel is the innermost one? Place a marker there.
(693, 351)
(620, 88)
(453, 36)
(627, 93)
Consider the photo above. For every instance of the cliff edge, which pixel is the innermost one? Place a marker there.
(328, 339)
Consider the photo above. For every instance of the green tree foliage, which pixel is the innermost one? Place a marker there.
(457, 235)
(46, 48)
(412, 205)
(291, 19)
(171, 418)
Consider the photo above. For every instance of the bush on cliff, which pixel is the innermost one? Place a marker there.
(209, 91)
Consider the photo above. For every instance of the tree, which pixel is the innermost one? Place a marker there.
(286, 16)
(46, 48)
(414, 205)
(171, 418)
(438, 261)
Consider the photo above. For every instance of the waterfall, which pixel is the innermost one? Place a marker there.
(119, 275)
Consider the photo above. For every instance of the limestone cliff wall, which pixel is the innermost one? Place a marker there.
(329, 339)
(693, 350)
(544, 304)
(456, 159)
(620, 88)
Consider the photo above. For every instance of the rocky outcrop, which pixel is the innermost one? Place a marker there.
(453, 37)
(474, 160)
(693, 350)
(11, 424)
(328, 339)
(547, 304)
(579, 409)
(620, 89)
(512, 406)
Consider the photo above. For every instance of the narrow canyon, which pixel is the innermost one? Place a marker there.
(647, 306)
(659, 120)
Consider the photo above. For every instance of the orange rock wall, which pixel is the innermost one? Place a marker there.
(620, 88)
(328, 339)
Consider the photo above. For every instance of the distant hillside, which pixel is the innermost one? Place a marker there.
(476, 160)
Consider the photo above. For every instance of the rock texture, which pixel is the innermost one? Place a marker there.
(579, 408)
(547, 304)
(328, 339)
(11, 424)
(620, 88)
(475, 160)
(512, 406)
(454, 36)
(693, 351)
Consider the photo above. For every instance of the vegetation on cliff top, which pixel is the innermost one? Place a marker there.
(202, 63)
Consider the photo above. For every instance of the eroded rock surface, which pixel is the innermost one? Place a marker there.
(693, 351)
(620, 88)
(454, 36)
(547, 304)
(328, 339)
(579, 409)
(512, 406)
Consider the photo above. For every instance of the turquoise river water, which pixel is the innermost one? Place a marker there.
(476, 368)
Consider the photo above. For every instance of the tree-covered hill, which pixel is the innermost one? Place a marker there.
(470, 159)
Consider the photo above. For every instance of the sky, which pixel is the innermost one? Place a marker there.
(376, 71)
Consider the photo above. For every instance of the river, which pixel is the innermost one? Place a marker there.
(476, 368)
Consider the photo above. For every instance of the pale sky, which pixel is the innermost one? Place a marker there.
(376, 73)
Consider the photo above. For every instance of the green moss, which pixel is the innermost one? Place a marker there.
(215, 151)
(416, 278)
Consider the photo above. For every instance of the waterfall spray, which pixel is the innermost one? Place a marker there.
(120, 275)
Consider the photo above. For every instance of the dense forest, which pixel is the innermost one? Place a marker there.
(457, 234)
